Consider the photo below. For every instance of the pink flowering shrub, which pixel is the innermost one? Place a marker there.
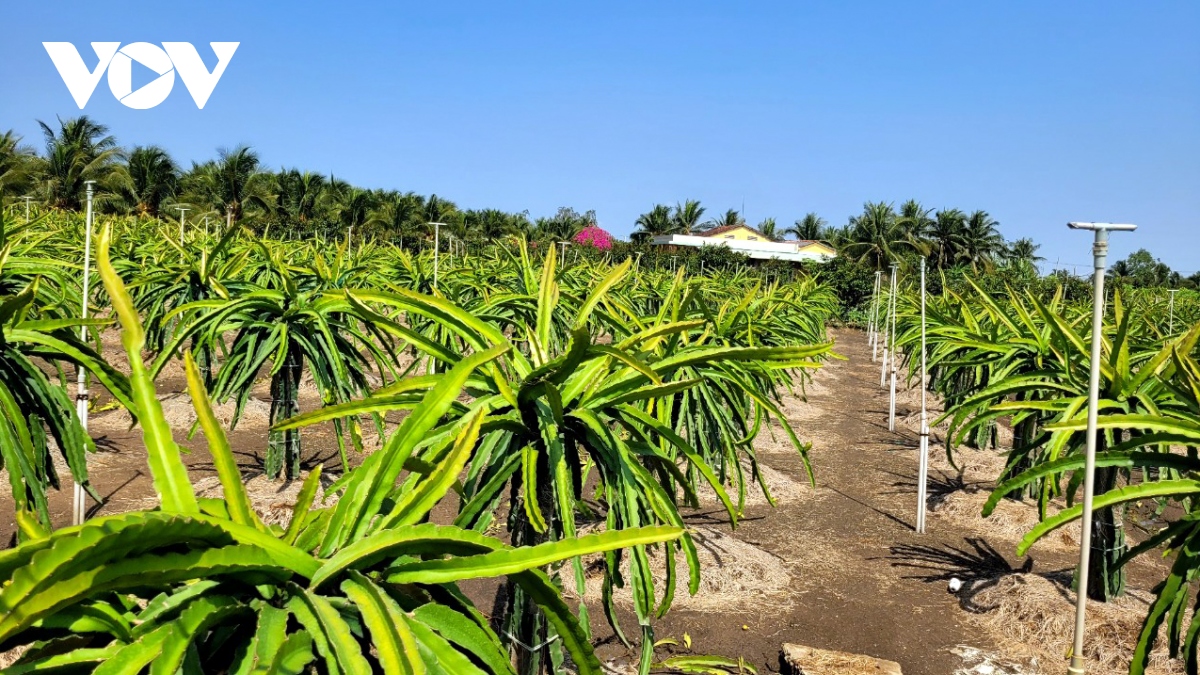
(596, 237)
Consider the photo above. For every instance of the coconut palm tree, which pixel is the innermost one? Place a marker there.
(438, 210)
(1024, 251)
(915, 218)
(231, 184)
(982, 243)
(299, 198)
(769, 229)
(17, 165)
(566, 223)
(356, 209)
(944, 237)
(809, 228)
(79, 151)
(403, 213)
(488, 224)
(656, 221)
(147, 178)
(687, 216)
(730, 217)
(877, 236)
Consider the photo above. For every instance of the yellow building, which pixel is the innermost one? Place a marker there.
(734, 232)
(747, 240)
(813, 247)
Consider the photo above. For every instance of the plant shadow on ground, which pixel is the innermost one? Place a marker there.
(978, 565)
(938, 485)
(252, 462)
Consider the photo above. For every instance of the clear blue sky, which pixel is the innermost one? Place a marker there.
(1038, 112)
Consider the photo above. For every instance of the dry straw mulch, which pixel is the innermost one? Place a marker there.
(1034, 616)
(1010, 520)
(272, 500)
(735, 576)
(181, 415)
(783, 489)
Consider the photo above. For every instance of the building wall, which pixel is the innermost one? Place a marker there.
(740, 234)
(758, 250)
(817, 248)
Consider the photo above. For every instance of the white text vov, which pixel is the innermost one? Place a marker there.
(172, 57)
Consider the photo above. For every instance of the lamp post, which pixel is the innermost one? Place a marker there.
(1171, 310)
(564, 250)
(437, 233)
(1100, 262)
(873, 325)
(27, 199)
(923, 463)
(892, 350)
(871, 319)
(887, 328)
(182, 215)
(79, 504)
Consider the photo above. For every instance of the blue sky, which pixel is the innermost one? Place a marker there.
(1039, 113)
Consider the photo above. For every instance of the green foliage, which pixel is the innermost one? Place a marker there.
(205, 586)
(562, 403)
(38, 414)
(558, 378)
(1025, 357)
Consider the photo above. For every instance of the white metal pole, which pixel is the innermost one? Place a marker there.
(892, 345)
(1100, 261)
(437, 238)
(887, 330)
(1171, 311)
(871, 319)
(27, 198)
(182, 215)
(878, 303)
(79, 503)
(874, 331)
(923, 464)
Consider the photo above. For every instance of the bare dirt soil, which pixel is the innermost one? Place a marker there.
(835, 567)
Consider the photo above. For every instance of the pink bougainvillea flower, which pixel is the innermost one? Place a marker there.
(595, 237)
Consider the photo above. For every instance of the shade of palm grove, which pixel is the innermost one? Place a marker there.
(469, 404)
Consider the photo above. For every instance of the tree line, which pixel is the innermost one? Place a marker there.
(878, 236)
(146, 181)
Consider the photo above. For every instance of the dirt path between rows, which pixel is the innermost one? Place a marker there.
(848, 545)
(840, 567)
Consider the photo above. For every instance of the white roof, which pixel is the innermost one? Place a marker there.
(757, 250)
